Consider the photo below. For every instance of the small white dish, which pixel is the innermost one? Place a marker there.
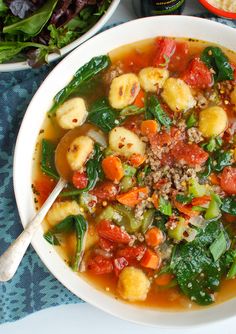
(23, 65)
(178, 26)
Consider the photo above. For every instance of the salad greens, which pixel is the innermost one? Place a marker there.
(47, 25)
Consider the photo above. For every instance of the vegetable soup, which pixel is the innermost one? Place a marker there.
(147, 142)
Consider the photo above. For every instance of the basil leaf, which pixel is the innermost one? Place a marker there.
(165, 206)
(219, 246)
(103, 115)
(33, 24)
(229, 205)
(215, 59)
(84, 74)
(47, 159)
(154, 110)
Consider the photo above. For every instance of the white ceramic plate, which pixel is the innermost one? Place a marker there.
(178, 26)
(54, 56)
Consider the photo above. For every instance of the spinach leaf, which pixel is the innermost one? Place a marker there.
(223, 159)
(103, 115)
(33, 24)
(94, 173)
(165, 206)
(85, 73)
(154, 110)
(229, 205)
(8, 50)
(184, 199)
(47, 159)
(214, 144)
(214, 58)
(208, 169)
(71, 223)
(197, 273)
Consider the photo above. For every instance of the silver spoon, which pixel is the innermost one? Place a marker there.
(11, 258)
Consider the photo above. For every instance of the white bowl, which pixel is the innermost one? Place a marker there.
(178, 26)
(23, 65)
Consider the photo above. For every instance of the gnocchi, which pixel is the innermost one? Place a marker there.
(133, 284)
(152, 78)
(79, 151)
(233, 98)
(123, 90)
(72, 113)
(61, 210)
(212, 121)
(177, 94)
(125, 142)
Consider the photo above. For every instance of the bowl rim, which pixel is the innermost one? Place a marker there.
(24, 197)
(217, 11)
(23, 65)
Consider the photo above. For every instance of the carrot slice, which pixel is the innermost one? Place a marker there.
(201, 200)
(112, 168)
(139, 101)
(133, 197)
(154, 237)
(155, 200)
(164, 279)
(137, 159)
(214, 179)
(150, 260)
(149, 127)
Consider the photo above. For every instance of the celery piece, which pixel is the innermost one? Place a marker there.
(196, 189)
(125, 217)
(108, 151)
(148, 217)
(108, 213)
(213, 210)
(87, 201)
(129, 170)
(178, 231)
(127, 183)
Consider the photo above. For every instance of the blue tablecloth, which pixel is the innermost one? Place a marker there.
(33, 288)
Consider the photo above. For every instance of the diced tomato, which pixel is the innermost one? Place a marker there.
(106, 244)
(100, 265)
(160, 139)
(80, 180)
(106, 190)
(133, 123)
(190, 154)
(119, 264)
(165, 50)
(131, 253)
(201, 200)
(139, 101)
(228, 180)
(43, 188)
(180, 58)
(198, 75)
(106, 229)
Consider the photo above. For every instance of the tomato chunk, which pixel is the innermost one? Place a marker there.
(106, 229)
(119, 264)
(131, 253)
(100, 265)
(179, 60)
(228, 180)
(106, 191)
(165, 49)
(80, 180)
(190, 154)
(198, 75)
(106, 245)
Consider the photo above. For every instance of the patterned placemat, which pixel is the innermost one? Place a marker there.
(33, 288)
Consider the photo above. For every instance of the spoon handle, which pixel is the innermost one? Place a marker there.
(11, 258)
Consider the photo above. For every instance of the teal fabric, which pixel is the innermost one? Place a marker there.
(33, 288)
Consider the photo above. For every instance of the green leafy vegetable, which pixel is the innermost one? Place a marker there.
(154, 110)
(3, 7)
(33, 24)
(197, 273)
(165, 206)
(219, 246)
(191, 121)
(232, 271)
(215, 59)
(213, 144)
(51, 239)
(229, 205)
(142, 174)
(103, 115)
(84, 74)
(184, 199)
(223, 159)
(94, 173)
(47, 159)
